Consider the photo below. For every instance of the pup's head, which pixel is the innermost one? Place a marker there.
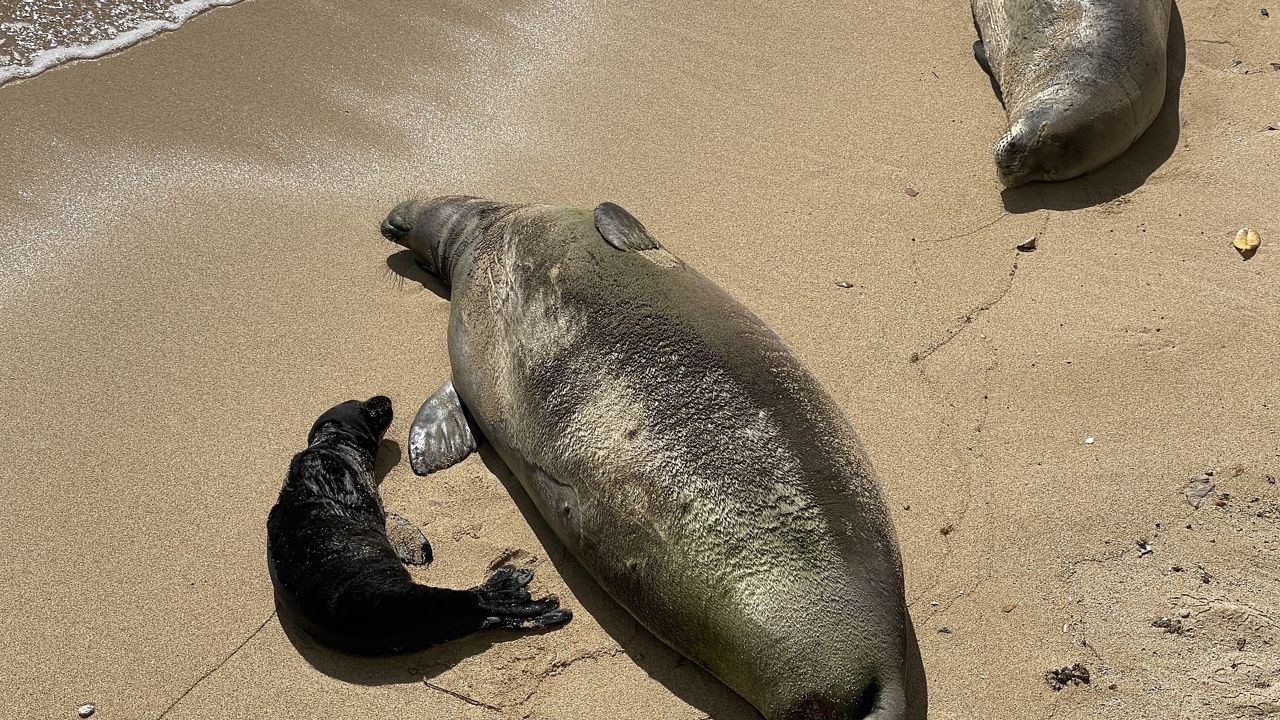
(364, 422)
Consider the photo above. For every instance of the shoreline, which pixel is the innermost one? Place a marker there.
(49, 59)
(192, 271)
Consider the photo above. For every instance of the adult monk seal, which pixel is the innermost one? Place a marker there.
(1081, 80)
(335, 570)
(675, 446)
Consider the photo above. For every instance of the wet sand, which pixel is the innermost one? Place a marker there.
(190, 271)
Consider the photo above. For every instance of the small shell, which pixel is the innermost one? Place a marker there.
(1247, 242)
(86, 710)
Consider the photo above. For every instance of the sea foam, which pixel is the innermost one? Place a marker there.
(36, 35)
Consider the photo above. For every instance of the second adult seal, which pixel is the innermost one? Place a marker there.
(675, 446)
(1081, 80)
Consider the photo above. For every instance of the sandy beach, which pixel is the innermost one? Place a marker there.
(191, 271)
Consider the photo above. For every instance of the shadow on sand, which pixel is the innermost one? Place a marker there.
(1127, 172)
(406, 266)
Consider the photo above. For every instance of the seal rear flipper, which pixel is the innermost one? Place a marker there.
(378, 616)
(505, 596)
(421, 616)
(409, 542)
(441, 436)
(621, 229)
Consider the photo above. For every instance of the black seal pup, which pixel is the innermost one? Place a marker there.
(676, 447)
(335, 556)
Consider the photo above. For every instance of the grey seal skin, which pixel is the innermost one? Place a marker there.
(335, 555)
(1081, 80)
(675, 446)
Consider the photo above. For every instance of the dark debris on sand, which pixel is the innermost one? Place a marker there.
(1062, 677)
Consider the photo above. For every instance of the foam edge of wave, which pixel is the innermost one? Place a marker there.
(47, 59)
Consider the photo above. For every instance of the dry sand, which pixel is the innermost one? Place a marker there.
(191, 272)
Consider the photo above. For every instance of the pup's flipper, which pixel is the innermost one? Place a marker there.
(409, 542)
(505, 595)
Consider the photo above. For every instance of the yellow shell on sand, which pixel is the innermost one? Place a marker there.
(1247, 241)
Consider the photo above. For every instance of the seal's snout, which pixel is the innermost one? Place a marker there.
(1012, 158)
(378, 408)
(397, 225)
(1046, 145)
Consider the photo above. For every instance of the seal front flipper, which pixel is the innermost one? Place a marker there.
(980, 54)
(441, 436)
(621, 229)
(409, 542)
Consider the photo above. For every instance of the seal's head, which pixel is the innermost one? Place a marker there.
(437, 231)
(1036, 148)
(1056, 138)
(362, 423)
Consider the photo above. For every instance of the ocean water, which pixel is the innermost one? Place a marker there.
(36, 35)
